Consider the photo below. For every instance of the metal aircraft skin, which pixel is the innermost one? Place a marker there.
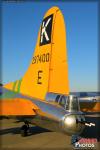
(41, 96)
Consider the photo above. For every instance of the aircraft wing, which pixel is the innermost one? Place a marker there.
(12, 104)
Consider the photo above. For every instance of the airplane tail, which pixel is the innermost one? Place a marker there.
(48, 71)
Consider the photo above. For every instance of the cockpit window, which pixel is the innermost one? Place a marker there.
(62, 101)
(57, 98)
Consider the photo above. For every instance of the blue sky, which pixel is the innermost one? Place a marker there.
(20, 25)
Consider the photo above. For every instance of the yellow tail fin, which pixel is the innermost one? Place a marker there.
(48, 71)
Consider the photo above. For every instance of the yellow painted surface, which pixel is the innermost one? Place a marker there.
(54, 76)
(9, 86)
(17, 106)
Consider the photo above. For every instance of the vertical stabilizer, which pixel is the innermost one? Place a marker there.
(48, 71)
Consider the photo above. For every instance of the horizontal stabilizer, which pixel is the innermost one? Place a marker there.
(17, 106)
